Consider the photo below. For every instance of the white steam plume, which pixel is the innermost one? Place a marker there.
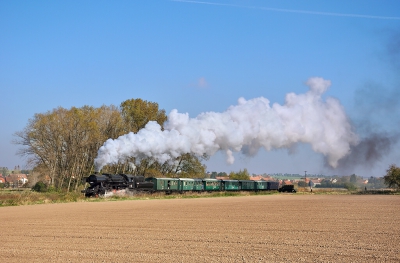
(245, 127)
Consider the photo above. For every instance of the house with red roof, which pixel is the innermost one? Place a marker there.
(16, 180)
(257, 178)
(315, 182)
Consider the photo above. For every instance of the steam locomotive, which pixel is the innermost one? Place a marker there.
(101, 184)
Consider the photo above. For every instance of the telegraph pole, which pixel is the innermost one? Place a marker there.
(305, 176)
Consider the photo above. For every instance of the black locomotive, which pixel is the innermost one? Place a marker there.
(100, 184)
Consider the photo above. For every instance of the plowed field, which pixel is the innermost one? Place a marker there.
(276, 228)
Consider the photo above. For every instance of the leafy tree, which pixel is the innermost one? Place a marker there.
(190, 166)
(16, 170)
(374, 182)
(4, 171)
(137, 113)
(152, 172)
(241, 175)
(222, 174)
(392, 177)
(350, 186)
(343, 179)
(302, 184)
(328, 184)
(187, 165)
(353, 178)
(64, 143)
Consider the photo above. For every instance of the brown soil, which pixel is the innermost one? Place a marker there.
(276, 228)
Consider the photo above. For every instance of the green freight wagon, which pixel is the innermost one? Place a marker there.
(211, 185)
(247, 185)
(230, 185)
(165, 184)
(261, 185)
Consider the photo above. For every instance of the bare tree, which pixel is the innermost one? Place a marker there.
(65, 142)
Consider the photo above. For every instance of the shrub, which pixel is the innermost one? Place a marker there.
(40, 187)
(350, 186)
(392, 177)
(302, 184)
(51, 189)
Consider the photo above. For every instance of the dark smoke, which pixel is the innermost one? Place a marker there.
(369, 151)
(377, 118)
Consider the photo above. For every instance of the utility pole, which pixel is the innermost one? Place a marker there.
(305, 176)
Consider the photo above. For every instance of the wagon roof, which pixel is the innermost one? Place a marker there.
(190, 179)
(230, 180)
(166, 178)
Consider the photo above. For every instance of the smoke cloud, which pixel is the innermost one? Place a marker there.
(369, 151)
(377, 123)
(377, 116)
(245, 127)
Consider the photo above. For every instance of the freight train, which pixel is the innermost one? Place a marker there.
(101, 184)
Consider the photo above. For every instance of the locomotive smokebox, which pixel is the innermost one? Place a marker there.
(96, 178)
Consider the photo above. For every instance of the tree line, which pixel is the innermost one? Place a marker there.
(62, 143)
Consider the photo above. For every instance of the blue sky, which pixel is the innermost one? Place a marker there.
(200, 56)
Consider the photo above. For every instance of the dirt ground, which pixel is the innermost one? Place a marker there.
(275, 228)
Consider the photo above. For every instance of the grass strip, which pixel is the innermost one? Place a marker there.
(27, 197)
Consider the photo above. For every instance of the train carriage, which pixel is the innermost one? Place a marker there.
(198, 185)
(189, 184)
(272, 186)
(247, 185)
(260, 185)
(211, 184)
(230, 185)
(165, 184)
(186, 184)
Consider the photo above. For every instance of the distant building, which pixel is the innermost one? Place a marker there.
(16, 180)
(287, 182)
(315, 182)
(257, 178)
